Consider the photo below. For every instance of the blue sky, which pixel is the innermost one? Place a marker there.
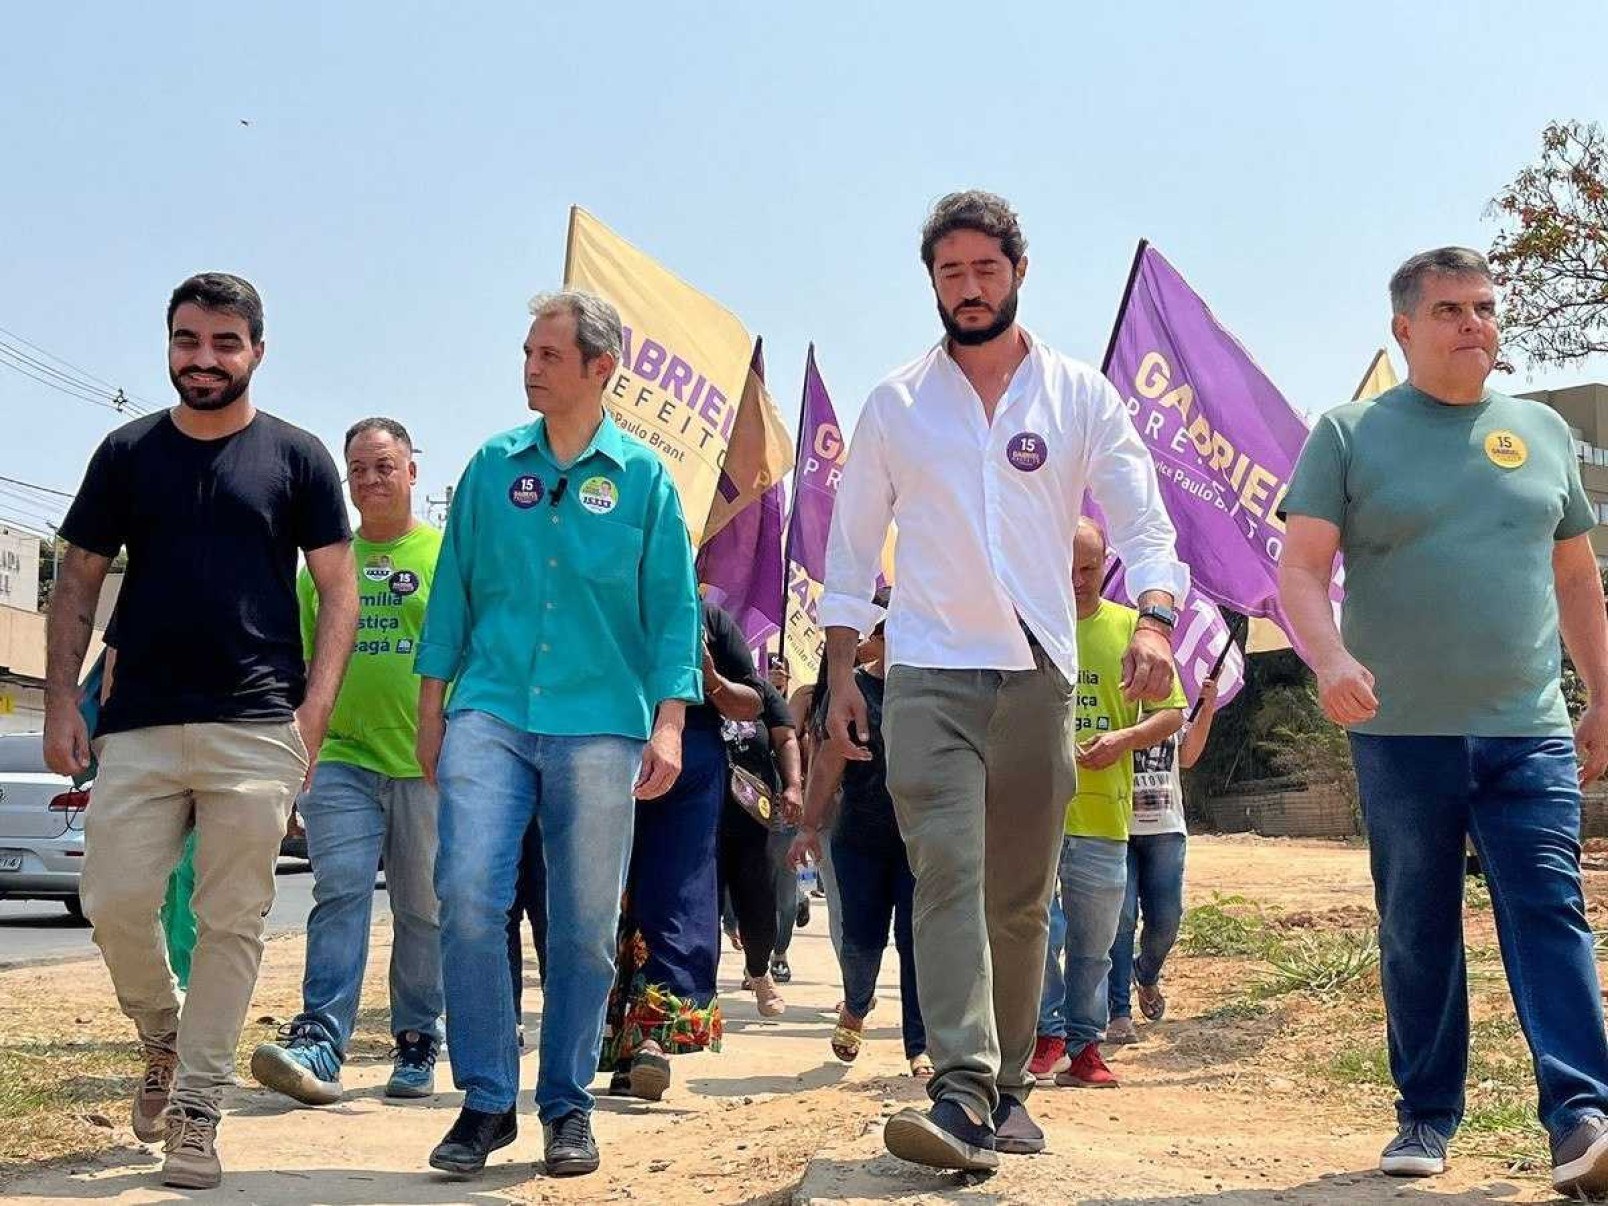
(403, 186)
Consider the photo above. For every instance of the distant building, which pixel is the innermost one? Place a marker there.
(1585, 409)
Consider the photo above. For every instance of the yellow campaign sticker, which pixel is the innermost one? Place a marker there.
(599, 495)
(1506, 450)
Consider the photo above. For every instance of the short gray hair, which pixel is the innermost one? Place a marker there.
(1407, 282)
(597, 322)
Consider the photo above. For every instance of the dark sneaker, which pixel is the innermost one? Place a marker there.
(570, 1150)
(1580, 1160)
(303, 1066)
(781, 970)
(620, 1081)
(942, 1137)
(649, 1075)
(1418, 1150)
(151, 1098)
(475, 1135)
(1015, 1132)
(413, 1061)
(191, 1145)
(802, 917)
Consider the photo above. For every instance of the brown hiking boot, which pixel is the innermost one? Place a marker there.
(192, 1153)
(151, 1098)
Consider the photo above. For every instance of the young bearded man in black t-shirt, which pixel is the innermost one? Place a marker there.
(213, 711)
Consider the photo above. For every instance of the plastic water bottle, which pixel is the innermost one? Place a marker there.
(807, 878)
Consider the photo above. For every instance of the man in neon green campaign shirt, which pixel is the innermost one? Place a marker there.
(1094, 853)
(369, 799)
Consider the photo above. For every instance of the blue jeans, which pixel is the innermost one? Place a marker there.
(877, 887)
(1094, 880)
(1518, 799)
(353, 818)
(494, 780)
(1052, 1004)
(1156, 889)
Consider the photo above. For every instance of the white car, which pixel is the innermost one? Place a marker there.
(41, 826)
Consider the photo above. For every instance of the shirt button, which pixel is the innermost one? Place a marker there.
(535, 690)
(550, 605)
(555, 519)
(552, 563)
(547, 648)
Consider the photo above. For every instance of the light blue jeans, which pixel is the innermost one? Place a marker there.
(494, 778)
(354, 817)
(1094, 880)
(1156, 892)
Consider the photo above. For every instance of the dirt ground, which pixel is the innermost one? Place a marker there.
(1265, 1083)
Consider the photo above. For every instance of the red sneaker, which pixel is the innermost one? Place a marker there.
(1049, 1057)
(1088, 1071)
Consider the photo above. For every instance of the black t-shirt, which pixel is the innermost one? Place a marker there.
(867, 806)
(207, 623)
(749, 741)
(729, 652)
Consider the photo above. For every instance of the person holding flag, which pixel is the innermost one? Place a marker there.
(982, 451)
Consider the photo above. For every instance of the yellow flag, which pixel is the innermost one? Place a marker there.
(1381, 375)
(760, 452)
(685, 360)
(803, 641)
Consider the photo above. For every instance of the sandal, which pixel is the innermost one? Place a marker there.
(921, 1067)
(846, 1039)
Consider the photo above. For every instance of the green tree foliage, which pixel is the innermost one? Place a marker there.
(1550, 259)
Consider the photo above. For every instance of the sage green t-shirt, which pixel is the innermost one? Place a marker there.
(1448, 516)
(376, 718)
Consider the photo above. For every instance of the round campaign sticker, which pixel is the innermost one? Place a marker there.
(377, 568)
(1505, 450)
(404, 582)
(1027, 451)
(526, 492)
(599, 495)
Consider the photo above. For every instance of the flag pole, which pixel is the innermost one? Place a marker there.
(1217, 666)
(792, 509)
(1122, 308)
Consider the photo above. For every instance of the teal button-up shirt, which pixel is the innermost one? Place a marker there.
(564, 599)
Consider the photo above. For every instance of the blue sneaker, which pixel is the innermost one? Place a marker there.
(303, 1065)
(1418, 1150)
(413, 1070)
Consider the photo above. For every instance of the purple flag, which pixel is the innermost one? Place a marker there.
(740, 568)
(1223, 438)
(1202, 642)
(816, 471)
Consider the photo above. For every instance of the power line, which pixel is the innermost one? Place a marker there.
(35, 486)
(82, 372)
(75, 384)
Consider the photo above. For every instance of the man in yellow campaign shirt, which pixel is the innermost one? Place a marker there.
(1094, 853)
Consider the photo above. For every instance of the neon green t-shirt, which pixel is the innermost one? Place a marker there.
(1104, 802)
(376, 717)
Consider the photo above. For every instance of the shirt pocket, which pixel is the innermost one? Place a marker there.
(608, 552)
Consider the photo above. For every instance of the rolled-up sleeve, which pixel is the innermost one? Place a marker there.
(447, 620)
(860, 520)
(669, 600)
(1122, 478)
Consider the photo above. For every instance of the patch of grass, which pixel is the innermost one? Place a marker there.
(1476, 894)
(1227, 926)
(1238, 1009)
(1320, 964)
(1367, 1064)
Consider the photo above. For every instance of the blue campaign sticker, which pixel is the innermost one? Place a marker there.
(526, 492)
(1027, 451)
(404, 582)
(404, 645)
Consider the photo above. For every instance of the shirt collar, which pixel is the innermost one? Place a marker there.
(608, 441)
(940, 352)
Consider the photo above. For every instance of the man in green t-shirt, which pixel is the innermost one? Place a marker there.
(369, 800)
(1465, 532)
(1094, 852)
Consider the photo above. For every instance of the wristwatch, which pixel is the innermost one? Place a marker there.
(1167, 616)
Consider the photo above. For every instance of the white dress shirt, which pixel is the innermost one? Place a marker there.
(987, 512)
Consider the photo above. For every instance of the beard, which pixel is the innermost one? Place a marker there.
(210, 397)
(973, 336)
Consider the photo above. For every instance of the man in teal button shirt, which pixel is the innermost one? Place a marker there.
(564, 616)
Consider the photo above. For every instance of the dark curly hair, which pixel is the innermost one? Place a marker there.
(974, 209)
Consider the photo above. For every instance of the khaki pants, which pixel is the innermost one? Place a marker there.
(235, 784)
(981, 766)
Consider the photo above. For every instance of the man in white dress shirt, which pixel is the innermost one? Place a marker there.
(981, 452)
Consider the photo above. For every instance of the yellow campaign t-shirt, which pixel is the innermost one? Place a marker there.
(1104, 802)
